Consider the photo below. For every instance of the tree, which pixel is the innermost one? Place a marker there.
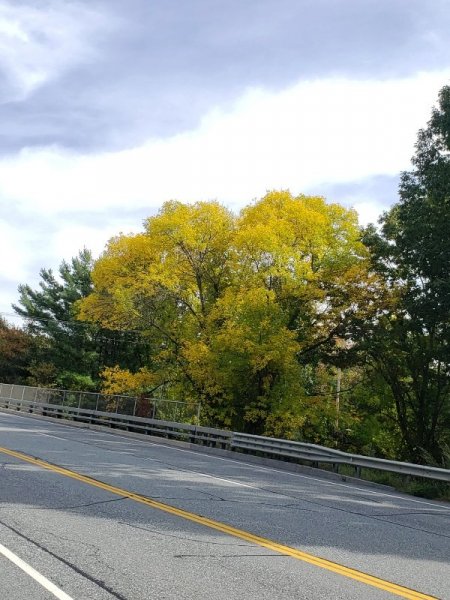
(231, 305)
(69, 353)
(299, 267)
(15, 350)
(65, 346)
(410, 342)
(163, 283)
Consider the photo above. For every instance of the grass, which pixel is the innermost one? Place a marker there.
(416, 486)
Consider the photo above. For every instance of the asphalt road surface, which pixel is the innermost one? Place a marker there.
(94, 515)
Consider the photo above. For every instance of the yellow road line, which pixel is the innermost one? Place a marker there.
(329, 565)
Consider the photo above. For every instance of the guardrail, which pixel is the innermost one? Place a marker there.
(168, 429)
(227, 440)
(321, 455)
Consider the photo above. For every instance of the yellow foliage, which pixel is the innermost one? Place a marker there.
(297, 240)
(253, 325)
(122, 381)
(201, 366)
(286, 425)
(228, 301)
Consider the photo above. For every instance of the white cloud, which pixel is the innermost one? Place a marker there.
(23, 256)
(312, 134)
(38, 43)
(368, 211)
(71, 238)
(315, 132)
(13, 250)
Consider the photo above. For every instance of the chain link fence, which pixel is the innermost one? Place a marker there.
(136, 406)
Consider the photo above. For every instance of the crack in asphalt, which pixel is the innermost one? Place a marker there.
(73, 507)
(181, 537)
(216, 497)
(76, 569)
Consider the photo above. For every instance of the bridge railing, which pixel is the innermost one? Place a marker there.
(62, 404)
(152, 407)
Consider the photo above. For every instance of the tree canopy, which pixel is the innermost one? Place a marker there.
(67, 352)
(230, 302)
(410, 344)
(16, 347)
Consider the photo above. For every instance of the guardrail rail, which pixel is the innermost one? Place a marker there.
(51, 404)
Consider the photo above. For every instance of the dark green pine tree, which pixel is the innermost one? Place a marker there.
(67, 346)
(410, 344)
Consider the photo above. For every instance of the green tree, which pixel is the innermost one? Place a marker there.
(65, 346)
(409, 343)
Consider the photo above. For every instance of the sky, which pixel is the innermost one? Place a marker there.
(109, 108)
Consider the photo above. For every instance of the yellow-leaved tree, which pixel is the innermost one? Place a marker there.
(231, 304)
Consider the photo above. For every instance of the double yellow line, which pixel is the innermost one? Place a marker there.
(376, 582)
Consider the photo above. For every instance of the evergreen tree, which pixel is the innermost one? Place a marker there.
(410, 343)
(64, 343)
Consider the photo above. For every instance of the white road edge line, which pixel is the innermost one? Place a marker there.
(48, 585)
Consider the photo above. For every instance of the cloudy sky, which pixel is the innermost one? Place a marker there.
(109, 108)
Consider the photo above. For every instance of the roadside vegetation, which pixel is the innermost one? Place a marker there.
(287, 319)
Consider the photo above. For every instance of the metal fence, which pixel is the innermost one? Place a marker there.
(87, 408)
(136, 406)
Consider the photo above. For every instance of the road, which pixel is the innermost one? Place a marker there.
(130, 519)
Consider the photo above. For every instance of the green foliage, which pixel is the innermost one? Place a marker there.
(42, 374)
(434, 490)
(69, 380)
(64, 342)
(409, 343)
(65, 351)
